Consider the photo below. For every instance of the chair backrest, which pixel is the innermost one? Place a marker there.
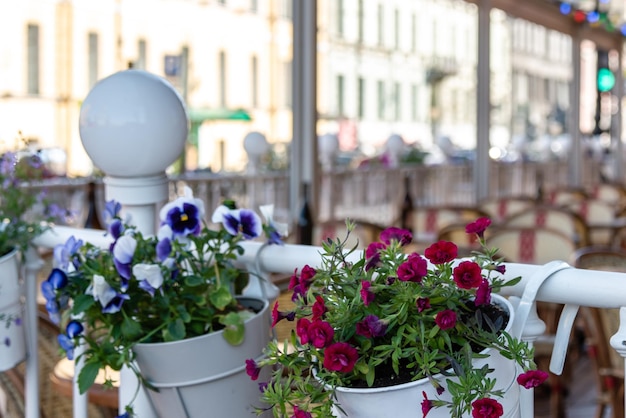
(500, 209)
(363, 234)
(602, 324)
(428, 222)
(560, 219)
(597, 214)
(531, 245)
(565, 196)
(612, 193)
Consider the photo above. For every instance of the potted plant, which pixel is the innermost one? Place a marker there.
(417, 331)
(162, 299)
(23, 215)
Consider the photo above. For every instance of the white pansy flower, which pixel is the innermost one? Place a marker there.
(150, 273)
(124, 249)
(101, 290)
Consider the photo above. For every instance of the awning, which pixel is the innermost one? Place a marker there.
(199, 115)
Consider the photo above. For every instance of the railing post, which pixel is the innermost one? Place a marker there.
(33, 263)
(133, 125)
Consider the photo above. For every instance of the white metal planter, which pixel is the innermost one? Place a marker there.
(404, 401)
(12, 336)
(205, 376)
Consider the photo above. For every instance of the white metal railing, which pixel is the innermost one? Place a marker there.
(555, 282)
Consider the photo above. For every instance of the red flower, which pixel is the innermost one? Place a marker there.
(467, 275)
(532, 378)
(319, 307)
(371, 326)
(298, 413)
(403, 236)
(372, 254)
(320, 333)
(302, 330)
(446, 319)
(486, 408)
(278, 316)
(441, 252)
(422, 303)
(252, 369)
(427, 405)
(478, 227)
(483, 294)
(366, 294)
(413, 269)
(340, 357)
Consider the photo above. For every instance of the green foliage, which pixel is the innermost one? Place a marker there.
(388, 314)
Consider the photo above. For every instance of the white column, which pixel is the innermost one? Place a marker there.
(33, 263)
(481, 163)
(575, 172)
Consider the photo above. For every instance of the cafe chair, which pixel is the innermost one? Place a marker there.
(601, 325)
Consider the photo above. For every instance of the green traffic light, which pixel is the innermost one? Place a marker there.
(606, 79)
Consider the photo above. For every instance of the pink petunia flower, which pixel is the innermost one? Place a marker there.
(441, 252)
(487, 408)
(532, 378)
(366, 294)
(414, 269)
(478, 227)
(340, 357)
(467, 275)
(446, 319)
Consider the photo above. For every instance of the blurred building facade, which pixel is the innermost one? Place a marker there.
(384, 67)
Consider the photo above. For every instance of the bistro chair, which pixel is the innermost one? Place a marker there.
(601, 325)
(500, 209)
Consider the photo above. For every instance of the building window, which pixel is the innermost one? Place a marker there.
(397, 101)
(33, 59)
(381, 21)
(92, 77)
(255, 81)
(288, 77)
(413, 32)
(414, 98)
(361, 98)
(339, 18)
(381, 99)
(141, 54)
(222, 78)
(396, 29)
(340, 95)
(360, 17)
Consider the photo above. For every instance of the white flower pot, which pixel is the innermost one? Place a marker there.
(205, 376)
(12, 336)
(405, 400)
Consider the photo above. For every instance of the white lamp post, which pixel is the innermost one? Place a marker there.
(133, 125)
(255, 144)
(394, 147)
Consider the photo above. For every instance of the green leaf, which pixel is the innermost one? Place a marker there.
(82, 303)
(130, 328)
(193, 280)
(175, 330)
(221, 298)
(234, 330)
(87, 376)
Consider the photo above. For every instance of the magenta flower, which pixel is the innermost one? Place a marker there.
(403, 236)
(298, 413)
(427, 405)
(414, 269)
(319, 307)
(467, 275)
(366, 295)
(371, 327)
(321, 333)
(532, 378)
(478, 227)
(340, 357)
(302, 330)
(441, 252)
(483, 294)
(487, 408)
(446, 319)
(278, 316)
(422, 304)
(372, 254)
(252, 369)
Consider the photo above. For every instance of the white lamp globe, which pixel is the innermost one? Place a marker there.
(328, 145)
(395, 144)
(133, 123)
(255, 144)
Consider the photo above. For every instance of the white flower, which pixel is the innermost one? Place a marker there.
(218, 215)
(150, 273)
(268, 213)
(124, 249)
(101, 290)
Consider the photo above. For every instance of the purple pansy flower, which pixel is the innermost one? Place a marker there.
(123, 252)
(64, 253)
(243, 220)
